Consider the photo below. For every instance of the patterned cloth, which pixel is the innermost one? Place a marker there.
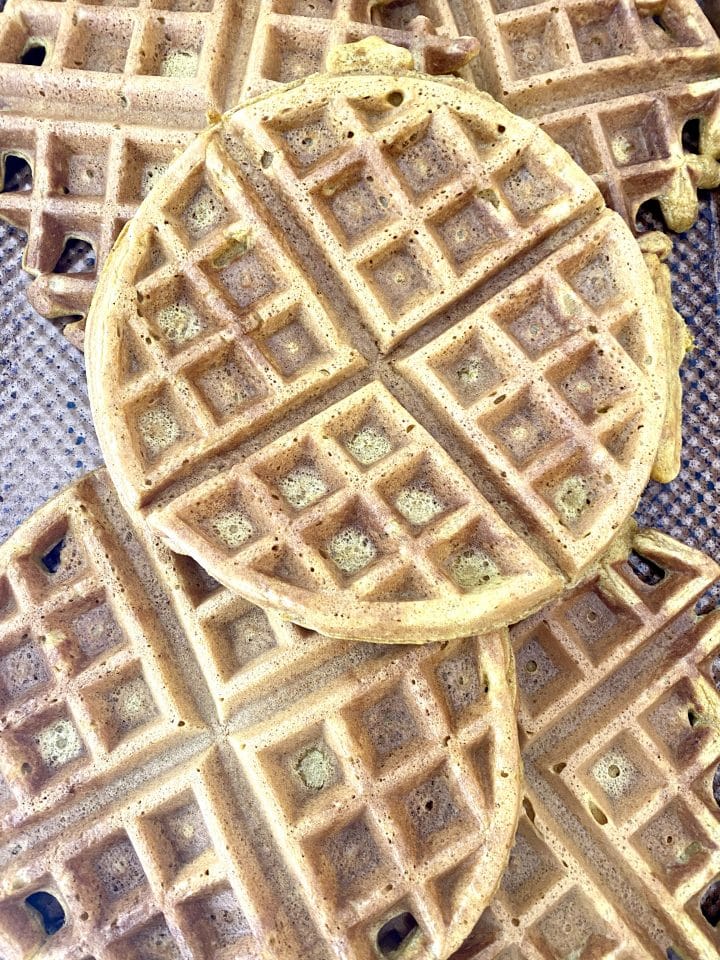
(687, 507)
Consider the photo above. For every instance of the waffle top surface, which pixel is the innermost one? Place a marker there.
(378, 357)
(617, 852)
(191, 778)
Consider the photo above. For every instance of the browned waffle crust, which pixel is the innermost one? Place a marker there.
(191, 778)
(618, 847)
(376, 355)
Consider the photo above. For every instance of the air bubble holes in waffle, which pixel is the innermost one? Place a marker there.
(617, 846)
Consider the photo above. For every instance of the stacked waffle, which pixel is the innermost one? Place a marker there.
(376, 374)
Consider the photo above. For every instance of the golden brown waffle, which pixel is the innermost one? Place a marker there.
(616, 84)
(376, 355)
(190, 778)
(98, 98)
(618, 848)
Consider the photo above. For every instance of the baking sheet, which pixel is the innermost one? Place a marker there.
(46, 432)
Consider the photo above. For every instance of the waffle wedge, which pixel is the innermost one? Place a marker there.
(377, 356)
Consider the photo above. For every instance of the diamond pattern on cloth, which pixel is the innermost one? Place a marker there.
(46, 434)
(687, 508)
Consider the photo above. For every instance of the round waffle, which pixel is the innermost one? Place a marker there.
(377, 356)
(183, 776)
(618, 851)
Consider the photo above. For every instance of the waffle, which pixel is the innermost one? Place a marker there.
(98, 98)
(378, 358)
(182, 775)
(661, 61)
(618, 850)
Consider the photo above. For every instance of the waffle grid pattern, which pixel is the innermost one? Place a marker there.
(587, 46)
(554, 62)
(617, 847)
(150, 868)
(129, 62)
(394, 752)
(76, 696)
(454, 199)
(456, 788)
(633, 148)
(570, 345)
(116, 38)
(317, 495)
(191, 372)
(85, 188)
(127, 57)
